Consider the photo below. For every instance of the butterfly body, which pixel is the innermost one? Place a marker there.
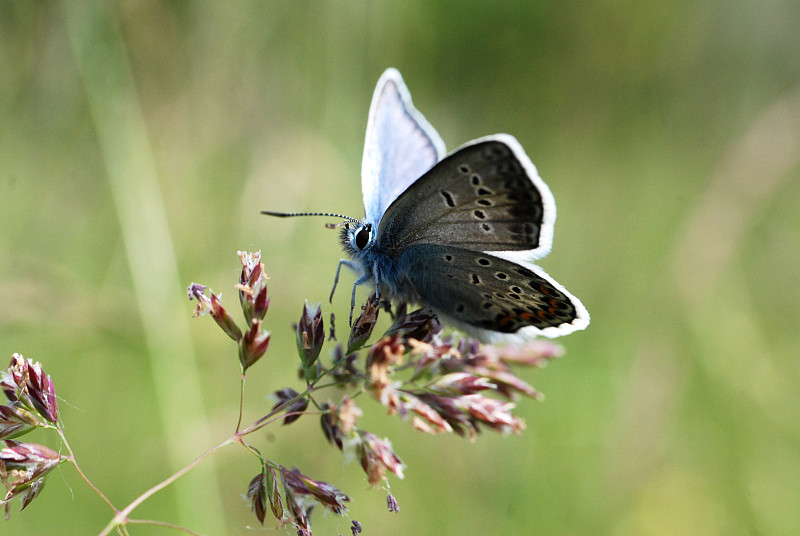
(456, 233)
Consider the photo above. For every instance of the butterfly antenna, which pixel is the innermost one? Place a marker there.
(293, 214)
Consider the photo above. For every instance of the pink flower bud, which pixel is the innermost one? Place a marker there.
(26, 384)
(23, 468)
(257, 495)
(459, 383)
(495, 413)
(253, 286)
(253, 344)
(376, 456)
(16, 421)
(325, 494)
(420, 325)
(213, 306)
(294, 409)
(364, 324)
(310, 334)
(224, 319)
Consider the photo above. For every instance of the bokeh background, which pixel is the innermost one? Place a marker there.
(140, 139)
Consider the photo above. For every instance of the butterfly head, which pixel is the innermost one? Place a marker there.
(356, 236)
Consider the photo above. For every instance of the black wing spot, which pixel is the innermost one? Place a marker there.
(487, 305)
(463, 168)
(448, 258)
(480, 214)
(486, 227)
(460, 308)
(484, 261)
(516, 289)
(448, 198)
(484, 191)
(476, 179)
(485, 202)
(501, 275)
(475, 279)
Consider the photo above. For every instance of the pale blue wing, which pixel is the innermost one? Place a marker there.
(400, 146)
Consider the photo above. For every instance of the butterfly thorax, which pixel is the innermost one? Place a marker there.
(360, 242)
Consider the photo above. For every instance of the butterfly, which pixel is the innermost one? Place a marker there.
(455, 233)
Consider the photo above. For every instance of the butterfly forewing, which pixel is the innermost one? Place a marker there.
(490, 293)
(400, 146)
(485, 196)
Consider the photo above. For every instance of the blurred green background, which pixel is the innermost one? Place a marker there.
(140, 139)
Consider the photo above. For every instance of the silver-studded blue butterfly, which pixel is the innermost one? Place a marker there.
(457, 233)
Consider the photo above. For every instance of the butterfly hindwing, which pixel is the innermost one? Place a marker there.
(400, 145)
(485, 292)
(485, 196)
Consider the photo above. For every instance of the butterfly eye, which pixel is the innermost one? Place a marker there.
(362, 237)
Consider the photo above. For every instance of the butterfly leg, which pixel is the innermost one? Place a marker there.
(347, 263)
(377, 283)
(363, 279)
